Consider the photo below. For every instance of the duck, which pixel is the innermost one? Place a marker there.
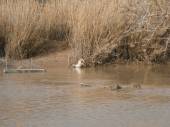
(84, 85)
(137, 86)
(116, 87)
(80, 64)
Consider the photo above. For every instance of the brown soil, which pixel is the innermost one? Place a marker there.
(54, 59)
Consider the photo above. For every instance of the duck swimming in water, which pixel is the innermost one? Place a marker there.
(84, 85)
(137, 86)
(80, 64)
(116, 87)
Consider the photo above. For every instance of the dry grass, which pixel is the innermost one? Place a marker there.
(98, 31)
(28, 25)
(128, 30)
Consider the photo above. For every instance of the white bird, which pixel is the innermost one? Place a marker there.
(80, 64)
(2, 61)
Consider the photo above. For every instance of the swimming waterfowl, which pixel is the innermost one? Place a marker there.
(116, 87)
(80, 64)
(84, 85)
(137, 86)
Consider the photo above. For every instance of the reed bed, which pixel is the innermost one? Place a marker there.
(28, 27)
(99, 31)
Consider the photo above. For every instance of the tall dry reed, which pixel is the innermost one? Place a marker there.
(28, 26)
(98, 31)
(105, 31)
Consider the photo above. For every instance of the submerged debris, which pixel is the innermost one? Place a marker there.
(9, 68)
(24, 70)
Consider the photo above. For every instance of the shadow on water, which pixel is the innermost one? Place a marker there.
(68, 97)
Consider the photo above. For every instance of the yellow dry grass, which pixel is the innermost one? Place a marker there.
(98, 31)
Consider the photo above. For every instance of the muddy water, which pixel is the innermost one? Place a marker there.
(56, 98)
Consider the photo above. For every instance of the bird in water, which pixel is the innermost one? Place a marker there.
(116, 87)
(84, 85)
(80, 64)
(137, 86)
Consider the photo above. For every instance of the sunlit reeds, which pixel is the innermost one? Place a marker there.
(98, 31)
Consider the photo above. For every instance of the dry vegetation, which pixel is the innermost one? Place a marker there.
(99, 31)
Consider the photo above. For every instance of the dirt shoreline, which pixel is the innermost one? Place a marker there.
(61, 58)
(54, 59)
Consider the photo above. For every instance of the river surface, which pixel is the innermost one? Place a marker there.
(56, 98)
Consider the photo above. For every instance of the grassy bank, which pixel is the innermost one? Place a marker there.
(99, 31)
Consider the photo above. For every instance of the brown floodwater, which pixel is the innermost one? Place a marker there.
(56, 98)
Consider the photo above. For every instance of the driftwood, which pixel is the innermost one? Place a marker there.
(24, 70)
